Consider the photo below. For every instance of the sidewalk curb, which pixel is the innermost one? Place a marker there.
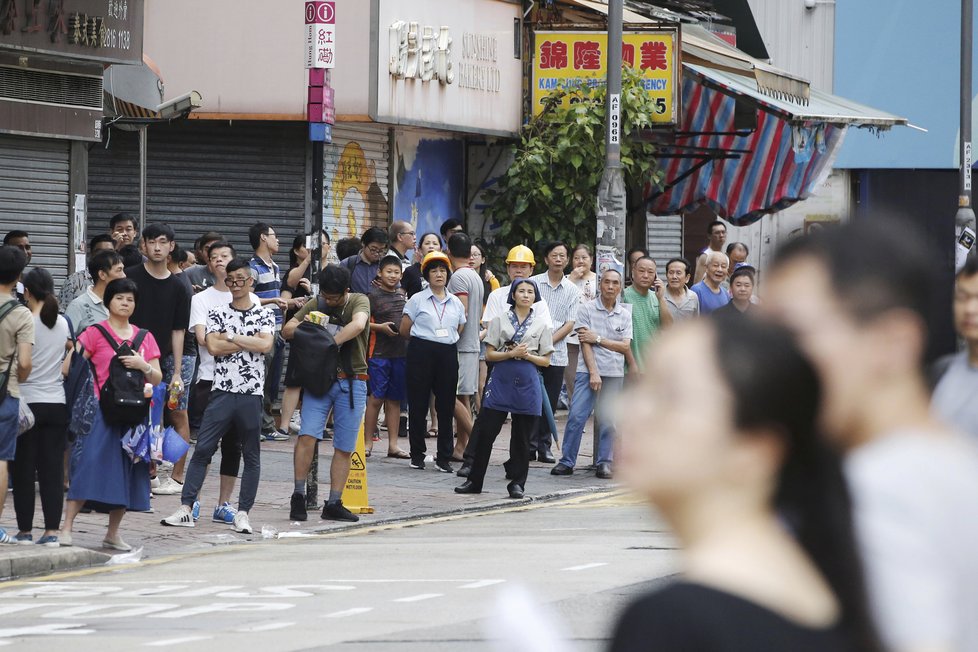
(502, 503)
(21, 561)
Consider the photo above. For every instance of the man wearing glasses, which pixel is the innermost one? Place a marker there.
(363, 266)
(402, 240)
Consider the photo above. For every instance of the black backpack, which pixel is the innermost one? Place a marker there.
(314, 358)
(121, 396)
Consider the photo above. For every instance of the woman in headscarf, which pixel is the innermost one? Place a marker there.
(518, 344)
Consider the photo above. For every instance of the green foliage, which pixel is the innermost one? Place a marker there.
(550, 191)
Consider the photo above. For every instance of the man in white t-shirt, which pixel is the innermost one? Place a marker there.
(914, 482)
(219, 254)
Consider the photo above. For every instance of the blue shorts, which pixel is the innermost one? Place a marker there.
(388, 378)
(186, 375)
(9, 423)
(346, 421)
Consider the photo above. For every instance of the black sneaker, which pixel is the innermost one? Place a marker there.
(298, 508)
(444, 467)
(336, 512)
(417, 464)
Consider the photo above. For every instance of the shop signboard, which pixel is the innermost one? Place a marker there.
(568, 59)
(320, 34)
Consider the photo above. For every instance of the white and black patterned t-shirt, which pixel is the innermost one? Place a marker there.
(242, 372)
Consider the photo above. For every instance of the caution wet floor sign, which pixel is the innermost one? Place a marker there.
(355, 493)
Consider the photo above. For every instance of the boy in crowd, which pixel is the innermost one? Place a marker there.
(388, 351)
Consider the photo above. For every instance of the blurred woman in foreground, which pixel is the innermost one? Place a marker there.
(757, 501)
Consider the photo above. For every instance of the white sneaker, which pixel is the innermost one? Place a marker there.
(241, 523)
(168, 487)
(183, 517)
(295, 424)
(154, 483)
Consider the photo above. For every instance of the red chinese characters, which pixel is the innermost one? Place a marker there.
(587, 55)
(654, 56)
(553, 54)
(628, 54)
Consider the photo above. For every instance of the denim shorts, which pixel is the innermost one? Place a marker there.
(186, 375)
(9, 423)
(346, 421)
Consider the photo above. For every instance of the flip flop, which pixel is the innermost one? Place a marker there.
(400, 455)
(368, 452)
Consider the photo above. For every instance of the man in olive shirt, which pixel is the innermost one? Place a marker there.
(349, 316)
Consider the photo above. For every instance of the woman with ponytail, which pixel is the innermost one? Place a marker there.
(40, 450)
(720, 436)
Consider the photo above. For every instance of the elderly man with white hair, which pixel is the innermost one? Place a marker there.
(710, 290)
(604, 329)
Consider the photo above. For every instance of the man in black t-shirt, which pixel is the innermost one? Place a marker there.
(163, 308)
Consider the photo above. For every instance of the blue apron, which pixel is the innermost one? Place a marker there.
(514, 385)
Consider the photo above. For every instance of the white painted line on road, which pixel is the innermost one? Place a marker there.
(356, 611)
(481, 584)
(267, 627)
(585, 566)
(177, 641)
(563, 529)
(420, 597)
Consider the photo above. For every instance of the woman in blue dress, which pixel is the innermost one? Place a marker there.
(101, 472)
(518, 344)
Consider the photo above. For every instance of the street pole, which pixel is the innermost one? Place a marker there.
(965, 218)
(318, 148)
(610, 246)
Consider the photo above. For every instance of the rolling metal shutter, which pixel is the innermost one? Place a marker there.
(355, 180)
(665, 239)
(204, 176)
(35, 197)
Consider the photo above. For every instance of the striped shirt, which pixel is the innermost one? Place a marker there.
(268, 284)
(563, 301)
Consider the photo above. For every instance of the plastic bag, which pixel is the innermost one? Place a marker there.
(155, 445)
(25, 420)
(174, 447)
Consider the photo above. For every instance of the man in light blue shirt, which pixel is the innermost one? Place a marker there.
(710, 290)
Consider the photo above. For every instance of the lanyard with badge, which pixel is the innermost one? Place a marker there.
(440, 331)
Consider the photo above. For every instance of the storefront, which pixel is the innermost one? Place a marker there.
(52, 57)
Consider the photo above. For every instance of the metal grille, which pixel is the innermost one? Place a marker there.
(56, 88)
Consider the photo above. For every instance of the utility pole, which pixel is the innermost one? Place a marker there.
(610, 246)
(964, 221)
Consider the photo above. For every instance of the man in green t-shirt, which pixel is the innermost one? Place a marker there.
(644, 295)
(349, 316)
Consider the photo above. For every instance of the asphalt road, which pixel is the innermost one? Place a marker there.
(549, 576)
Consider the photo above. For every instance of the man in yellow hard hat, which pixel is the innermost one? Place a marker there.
(519, 265)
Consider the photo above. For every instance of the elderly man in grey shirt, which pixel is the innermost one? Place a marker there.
(604, 329)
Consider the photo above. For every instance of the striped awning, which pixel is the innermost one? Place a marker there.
(779, 163)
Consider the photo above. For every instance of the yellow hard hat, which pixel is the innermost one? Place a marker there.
(431, 257)
(520, 254)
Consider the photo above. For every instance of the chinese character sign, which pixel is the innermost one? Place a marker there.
(320, 34)
(567, 59)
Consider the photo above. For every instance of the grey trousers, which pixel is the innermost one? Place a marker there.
(243, 411)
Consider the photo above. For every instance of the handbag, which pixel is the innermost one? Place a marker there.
(25, 420)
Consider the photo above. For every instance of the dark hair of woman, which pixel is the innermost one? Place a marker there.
(39, 283)
(297, 241)
(120, 286)
(775, 388)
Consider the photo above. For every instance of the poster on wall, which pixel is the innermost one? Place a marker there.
(429, 181)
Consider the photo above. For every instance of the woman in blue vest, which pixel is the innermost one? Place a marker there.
(518, 344)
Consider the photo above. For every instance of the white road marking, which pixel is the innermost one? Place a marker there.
(55, 628)
(585, 566)
(420, 597)
(356, 611)
(267, 627)
(481, 584)
(177, 641)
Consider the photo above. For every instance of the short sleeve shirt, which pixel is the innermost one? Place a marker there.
(102, 354)
(241, 372)
(436, 320)
(466, 281)
(362, 273)
(200, 307)
(645, 321)
(387, 307)
(163, 305)
(16, 328)
(956, 396)
(85, 310)
(563, 302)
(685, 308)
(498, 304)
(615, 325)
(268, 285)
(74, 286)
(341, 316)
(710, 300)
(538, 337)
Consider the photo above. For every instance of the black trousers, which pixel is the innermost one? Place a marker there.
(230, 442)
(41, 451)
(432, 368)
(553, 379)
(490, 422)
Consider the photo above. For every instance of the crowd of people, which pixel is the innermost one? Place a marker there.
(820, 458)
